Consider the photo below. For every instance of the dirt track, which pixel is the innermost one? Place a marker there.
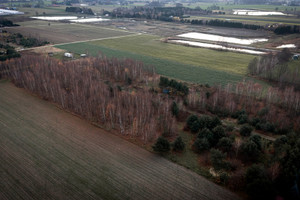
(46, 153)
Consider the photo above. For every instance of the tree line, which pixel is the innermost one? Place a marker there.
(226, 101)
(8, 52)
(19, 39)
(281, 30)
(158, 13)
(87, 11)
(5, 22)
(91, 88)
(222, 23)
(274, 67)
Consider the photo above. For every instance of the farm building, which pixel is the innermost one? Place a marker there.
(68, 55)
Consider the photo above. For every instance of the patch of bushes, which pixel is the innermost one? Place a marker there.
(162, 145)
(229, 128)
(267, 127)
(19, 39)
(258, 185)
(225, 144)
(257, 140)
(207, 134)
(224, 178)
(236, 114)
(9, 53)
(218, 133)
(249, 151)
(200, 145)
(178, 86)
(246, 130)
(6, 23)
(242, 119)
(254, 121)
(178, 144)
(87, 11)
(195, 123)
(218, 160)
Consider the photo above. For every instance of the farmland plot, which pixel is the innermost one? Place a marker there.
(197, 65)
(57, 32)
(47, 153)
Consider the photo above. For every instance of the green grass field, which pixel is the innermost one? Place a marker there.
(197, 65)
(57, 32)
(47, 153)
(294, 66)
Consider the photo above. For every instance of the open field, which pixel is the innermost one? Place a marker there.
(164, 67)
(152, 46)
(197, 65)
(47, 153)
(186, 63)
(64, 32)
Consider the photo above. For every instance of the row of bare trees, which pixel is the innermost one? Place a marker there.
(275, 67)
(252, 97)
(88, 88)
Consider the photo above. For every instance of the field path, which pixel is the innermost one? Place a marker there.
(75, 42)
(46, 153)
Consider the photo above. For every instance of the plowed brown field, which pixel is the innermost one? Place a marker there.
(46, 153)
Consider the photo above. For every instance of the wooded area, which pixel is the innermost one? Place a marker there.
(95, 88)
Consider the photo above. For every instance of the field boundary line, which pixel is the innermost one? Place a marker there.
(77, 24)
(82, 41)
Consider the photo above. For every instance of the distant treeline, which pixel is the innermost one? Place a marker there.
(19, 39)
(176, 14)
(87, 11)
(251, 1)
(275, 68)
(158, 13)
(7, 52)
(287, 30)
(6, 22)
(222, 23)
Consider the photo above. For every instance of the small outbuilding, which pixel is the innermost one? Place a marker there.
(296, 57)
(68, 55)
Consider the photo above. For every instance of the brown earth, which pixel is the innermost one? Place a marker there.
(47, 153)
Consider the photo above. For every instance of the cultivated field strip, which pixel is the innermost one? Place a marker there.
(58, 32)
(47, 153)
